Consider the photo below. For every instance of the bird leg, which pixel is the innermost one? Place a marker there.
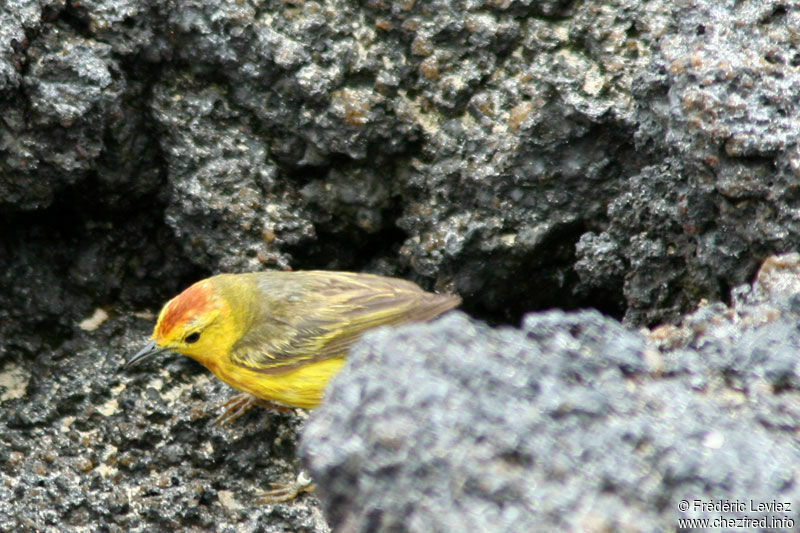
(239, 404)
(284, 492)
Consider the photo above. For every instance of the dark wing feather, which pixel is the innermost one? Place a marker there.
(317, 315)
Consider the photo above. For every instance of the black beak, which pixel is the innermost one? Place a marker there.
(150, 349)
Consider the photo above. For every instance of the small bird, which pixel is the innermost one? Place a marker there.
(281, 336)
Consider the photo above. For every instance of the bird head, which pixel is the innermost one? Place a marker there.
(196, 323)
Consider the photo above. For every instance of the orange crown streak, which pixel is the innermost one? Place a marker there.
(183, 308)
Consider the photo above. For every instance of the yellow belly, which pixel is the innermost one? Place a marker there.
(302, 387)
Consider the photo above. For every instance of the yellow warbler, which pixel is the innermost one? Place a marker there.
(281, 336)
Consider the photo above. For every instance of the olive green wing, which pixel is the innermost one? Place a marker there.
(317, 315)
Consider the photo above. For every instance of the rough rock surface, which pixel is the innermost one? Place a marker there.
(570, 423)
(87, 447)
(613, 148)
(631, 156)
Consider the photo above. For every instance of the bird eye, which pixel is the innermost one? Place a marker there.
(192, 338)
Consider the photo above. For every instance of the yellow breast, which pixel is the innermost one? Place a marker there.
(300, 387)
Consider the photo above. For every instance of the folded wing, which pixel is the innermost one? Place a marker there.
(323, 313)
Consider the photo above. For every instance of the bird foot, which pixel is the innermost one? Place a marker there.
(239, 404)
(284, 492)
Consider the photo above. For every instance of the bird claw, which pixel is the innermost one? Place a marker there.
(234, 408)
(284, 492)
(240, 403)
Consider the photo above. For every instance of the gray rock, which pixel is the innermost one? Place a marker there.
(222, 184)
(460, 148)
(86, 447)
(570, 423)
(634, 157)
